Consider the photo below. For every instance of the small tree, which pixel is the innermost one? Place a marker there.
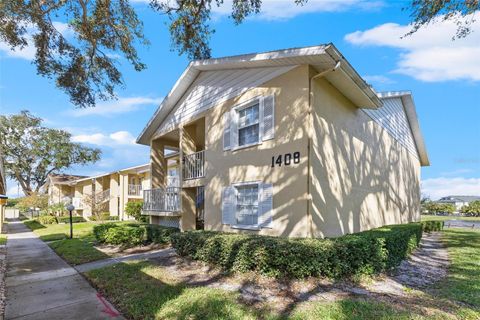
(436, 208)
(472, 209)
(57, 209)
(98, 205)
(34, 200)
(134, 209)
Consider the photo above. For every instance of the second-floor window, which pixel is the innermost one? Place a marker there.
(248, 125)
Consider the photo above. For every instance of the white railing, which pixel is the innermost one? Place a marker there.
(173, 181)
(194, 165)
(134, 190)
(161, 200)
(102, 196)
(77, 203)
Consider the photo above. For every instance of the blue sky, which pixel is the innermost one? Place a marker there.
(443, 75)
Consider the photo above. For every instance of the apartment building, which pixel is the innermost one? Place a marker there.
(289, 143)
(108, 192)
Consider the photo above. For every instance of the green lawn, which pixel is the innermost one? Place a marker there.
(443, 218)
(78, 250)
(143, 290)
(3, 239)
(463, 281)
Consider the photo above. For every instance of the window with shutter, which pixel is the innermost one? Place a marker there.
(266, 206)
(228, 205)
(250, 123)
(268, 120)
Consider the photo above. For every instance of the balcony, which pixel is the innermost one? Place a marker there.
(77, 203)
(161, 200)
(173, 181)
(102, 196)
(135, 190)
(194, 165)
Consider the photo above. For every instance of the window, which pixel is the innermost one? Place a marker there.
(246, 213)
(248, 125)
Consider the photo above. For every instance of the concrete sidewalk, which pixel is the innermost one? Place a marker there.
(40, 285)
(161, 253)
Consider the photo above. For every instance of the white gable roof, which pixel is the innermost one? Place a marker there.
(322, 57)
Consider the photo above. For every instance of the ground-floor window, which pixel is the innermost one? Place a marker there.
(246, 213)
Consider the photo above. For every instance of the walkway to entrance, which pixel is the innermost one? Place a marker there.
(40, 285)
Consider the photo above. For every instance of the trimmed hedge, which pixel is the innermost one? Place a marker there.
(125, 235)
(104, 216)
(132, 234)
(66, 219)
(100, 231)
(430, 225)
(159, 234)
(361, 253)
(47, 219)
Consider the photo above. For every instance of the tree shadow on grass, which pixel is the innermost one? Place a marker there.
(34, 225)
(145, 291)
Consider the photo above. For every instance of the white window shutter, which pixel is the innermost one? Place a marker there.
(233, 128)
(227, 145)
(266, 206)
(228, 205)
(268, 121)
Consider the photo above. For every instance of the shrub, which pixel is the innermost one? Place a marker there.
(99, 231)
(47, 219)
(429, 226)
(159, 234)
(362, 253)
(125, 235)
(134, 209)
(66, 219)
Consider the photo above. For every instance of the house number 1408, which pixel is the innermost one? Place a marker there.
(286, 159)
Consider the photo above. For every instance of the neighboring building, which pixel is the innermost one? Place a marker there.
(3, 192)
(59, 188)
(458, 201)
(287, 143)
(109, 192)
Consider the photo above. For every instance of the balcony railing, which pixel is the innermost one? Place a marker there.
(134, 190)
(77, 203)
(173, 181)
(162, 200)
(194, 165)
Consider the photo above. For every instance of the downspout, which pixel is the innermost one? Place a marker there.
(310, 133)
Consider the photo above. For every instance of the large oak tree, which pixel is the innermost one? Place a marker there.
(33, 151)
(85, 65)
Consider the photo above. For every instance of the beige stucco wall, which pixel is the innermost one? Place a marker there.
(254, 163)
(361, 177)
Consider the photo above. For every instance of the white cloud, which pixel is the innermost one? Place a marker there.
(101, 139)
(378, 79)
(114, 107)
(28, 52)
(441, 187)
(430, 54)
(286, 9)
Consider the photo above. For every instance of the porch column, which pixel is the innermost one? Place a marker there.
(187, 220)
(158, 164)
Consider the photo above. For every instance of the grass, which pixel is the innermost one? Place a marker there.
(144, 291)
(463, 281)
(444, 218)
(3, 239)
(354, 309)
(75, 251)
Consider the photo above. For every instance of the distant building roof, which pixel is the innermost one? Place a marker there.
(459, 199)
(63, 178)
